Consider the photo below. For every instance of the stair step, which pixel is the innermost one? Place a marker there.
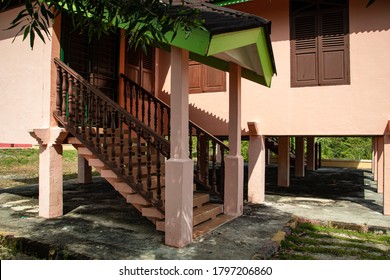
(108, 173)
(200, 199)
(210, 225)
(95, 162)
(206, 212)
(74, 141)
(84, 151)
(137, 199)
(121, 187)
(152, 212)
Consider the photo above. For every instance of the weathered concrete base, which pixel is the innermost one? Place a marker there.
(256, 169)
(50, 170)
(299, 157)
(234, 185)
(179, 202)
(84, 175)
(284, 161)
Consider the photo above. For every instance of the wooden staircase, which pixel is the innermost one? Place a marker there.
(206, 216)
(128, 146)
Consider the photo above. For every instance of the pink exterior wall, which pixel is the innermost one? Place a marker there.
(362, 108)
(24, 84)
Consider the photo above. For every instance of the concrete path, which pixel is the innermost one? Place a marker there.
(98, 224)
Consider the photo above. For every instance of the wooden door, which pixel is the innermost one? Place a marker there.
(95, 60)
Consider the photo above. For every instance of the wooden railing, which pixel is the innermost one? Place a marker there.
(207, 150)
(115, 136)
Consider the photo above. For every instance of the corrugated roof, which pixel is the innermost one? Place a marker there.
(219, 20)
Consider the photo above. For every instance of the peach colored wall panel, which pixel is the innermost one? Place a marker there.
(361, 108)
(24, 84)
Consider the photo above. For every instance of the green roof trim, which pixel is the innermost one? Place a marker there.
(219, 50)
(228, 2)
(233, 40)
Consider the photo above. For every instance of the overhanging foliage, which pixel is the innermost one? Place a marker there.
(147, 21)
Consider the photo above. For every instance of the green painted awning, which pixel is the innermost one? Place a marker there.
(230, 36)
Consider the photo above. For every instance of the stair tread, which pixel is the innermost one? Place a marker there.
(205, 212)
(210, 225)
(200, 198)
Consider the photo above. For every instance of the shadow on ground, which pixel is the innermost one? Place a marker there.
(99, 224)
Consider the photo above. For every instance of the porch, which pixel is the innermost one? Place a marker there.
(144, 148)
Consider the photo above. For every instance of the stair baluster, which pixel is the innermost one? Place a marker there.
(64, 90)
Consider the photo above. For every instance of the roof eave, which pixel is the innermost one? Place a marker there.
(208, 49)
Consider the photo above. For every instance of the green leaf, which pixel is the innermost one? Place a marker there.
(26, 31)
(32, 37)
(36, 29)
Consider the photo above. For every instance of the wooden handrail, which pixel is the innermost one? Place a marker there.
(141, 103)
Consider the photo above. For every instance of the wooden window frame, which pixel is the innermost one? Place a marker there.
(313, 68)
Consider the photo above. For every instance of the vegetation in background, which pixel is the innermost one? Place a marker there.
(19, 167)
(345, 147)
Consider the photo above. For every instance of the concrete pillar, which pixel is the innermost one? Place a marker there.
(374, 160)
(299, 157)
(84, 175)
(234, 162)
(380, 163)
(50, 170)
(267, 156)
(284, 161)
(310, 157)
(386, 185)
(179, 168)
(256, 165)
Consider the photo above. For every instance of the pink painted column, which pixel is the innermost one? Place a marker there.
(179, 168)
(299, 157)
(284, 161)
(310, 158)
(380, 163)
(50, 170)
(386, 183)
(256, 165)
(234, 162)
(374, 160)
(84, 175)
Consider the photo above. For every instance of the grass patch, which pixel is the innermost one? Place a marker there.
(309, 241)
(19, 167)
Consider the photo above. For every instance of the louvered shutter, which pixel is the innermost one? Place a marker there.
(304, 49)
(333, 48)
(195, 77)
(133, 64)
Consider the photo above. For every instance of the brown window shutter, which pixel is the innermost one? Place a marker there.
(214, 80)
(304, 49)
(333, 48)
(203, 78)
(133, 64)
(195, 77)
